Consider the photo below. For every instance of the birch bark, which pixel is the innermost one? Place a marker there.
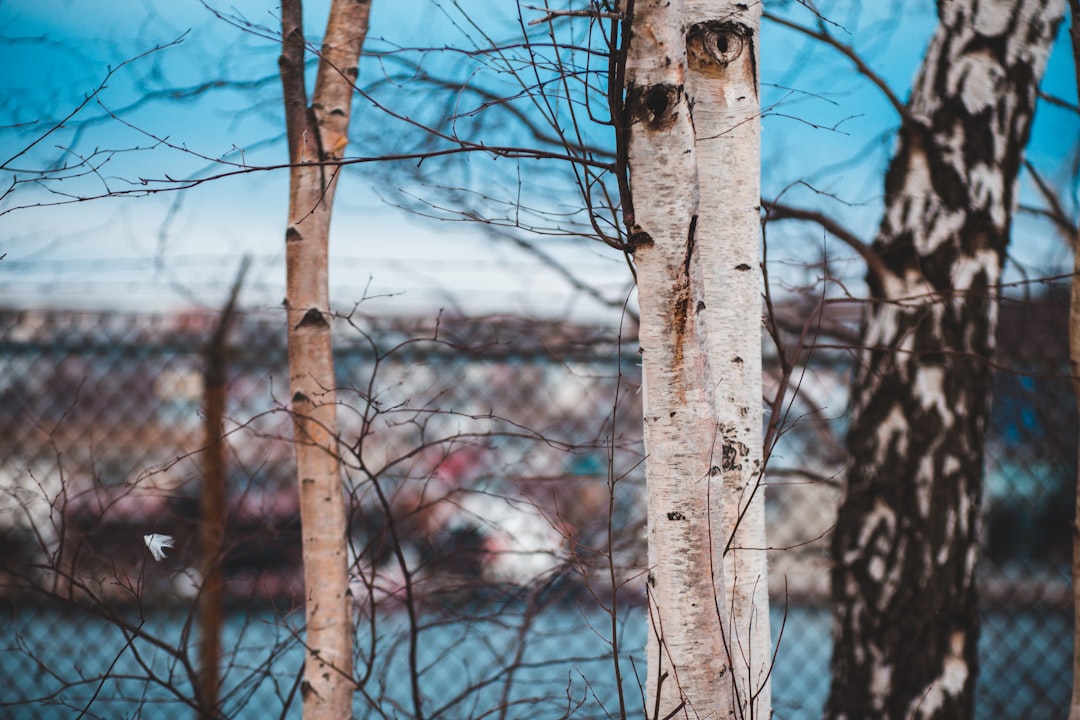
(906, 540)
(694, 157)
(317, 136)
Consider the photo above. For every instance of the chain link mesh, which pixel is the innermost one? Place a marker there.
(479, 458)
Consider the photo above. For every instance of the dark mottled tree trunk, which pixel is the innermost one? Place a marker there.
(907, 533)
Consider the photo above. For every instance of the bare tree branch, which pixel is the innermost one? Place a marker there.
(823, 36)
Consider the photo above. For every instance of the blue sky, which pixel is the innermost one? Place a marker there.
(177, 249)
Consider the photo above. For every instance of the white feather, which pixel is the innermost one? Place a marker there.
(157, 544)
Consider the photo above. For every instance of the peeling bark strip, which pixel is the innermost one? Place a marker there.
(694, 156)
(907, 532)
(316, 134)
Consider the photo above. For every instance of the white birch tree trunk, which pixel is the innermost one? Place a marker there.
(694, 158)
(317, 136)
(907, 534)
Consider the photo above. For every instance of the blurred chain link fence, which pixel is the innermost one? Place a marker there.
(484, 459)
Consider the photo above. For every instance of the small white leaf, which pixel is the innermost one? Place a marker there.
(157, 544)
